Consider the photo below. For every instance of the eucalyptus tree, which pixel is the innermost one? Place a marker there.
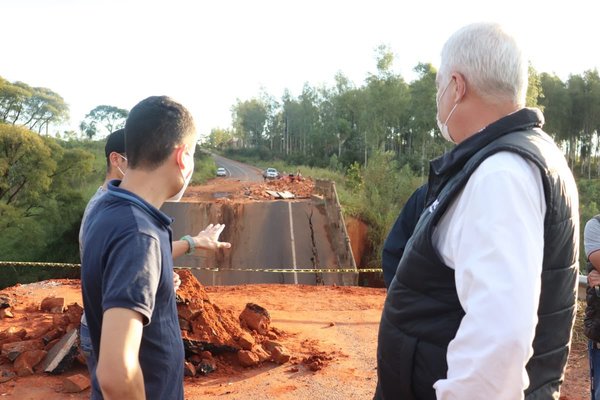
(421, 140)
(386, 112)
(249, 120)
(556, 103)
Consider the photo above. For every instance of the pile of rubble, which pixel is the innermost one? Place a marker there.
(285, 187)
(44, 338)
(212, 335)
(48, 344)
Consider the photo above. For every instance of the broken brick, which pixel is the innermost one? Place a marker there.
(60, 320)
(13, 350)
(280, 355)
(75, 384)
(245, 340)
(28, 360)
(53, 334)
(38, 332)
(53, 305)
(189, 369)
(73, 313)
(6, 313)
(247, 358)
(12, 334)
(262, 354)
(256, 318)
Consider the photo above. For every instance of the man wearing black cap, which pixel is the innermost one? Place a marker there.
(116, 165)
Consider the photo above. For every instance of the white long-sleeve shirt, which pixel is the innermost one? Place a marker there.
(492, 235)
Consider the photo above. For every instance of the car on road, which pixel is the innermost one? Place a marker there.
(221, 171)
(270, 173)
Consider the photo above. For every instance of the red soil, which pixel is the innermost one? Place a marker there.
(331, 333)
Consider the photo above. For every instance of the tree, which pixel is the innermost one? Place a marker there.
(40, 193)
(34, 107)
(387, 97)
(534, 88)
(249, 119)
(219, 137)
(556, 103)
(108, 117)
(422, 141)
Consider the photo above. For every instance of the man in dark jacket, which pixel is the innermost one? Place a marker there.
(483, 300)
(394, 245)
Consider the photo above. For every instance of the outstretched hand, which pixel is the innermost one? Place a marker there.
(208, 238)
(593, 278)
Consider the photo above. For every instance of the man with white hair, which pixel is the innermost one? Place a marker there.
(483, 301)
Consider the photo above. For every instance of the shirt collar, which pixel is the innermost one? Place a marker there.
(113, 189)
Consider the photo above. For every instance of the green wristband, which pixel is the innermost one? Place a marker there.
(191, 243)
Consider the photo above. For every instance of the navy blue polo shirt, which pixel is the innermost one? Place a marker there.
(128, 263)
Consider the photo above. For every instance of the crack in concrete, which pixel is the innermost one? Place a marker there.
(315, 255)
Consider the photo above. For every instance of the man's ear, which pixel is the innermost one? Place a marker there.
(179, 156)
(114, 157)
(460, 89)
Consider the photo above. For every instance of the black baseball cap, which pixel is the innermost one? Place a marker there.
(115, 142)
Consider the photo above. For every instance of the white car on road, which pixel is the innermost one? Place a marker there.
(270, 173)
(221, 171)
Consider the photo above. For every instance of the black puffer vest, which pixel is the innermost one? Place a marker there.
(591, 322)
(422, 312)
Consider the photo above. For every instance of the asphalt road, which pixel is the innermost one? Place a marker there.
(238, 170)
(280, 234)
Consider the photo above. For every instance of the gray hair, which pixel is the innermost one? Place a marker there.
(491, 61)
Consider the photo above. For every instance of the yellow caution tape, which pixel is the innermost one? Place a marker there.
(211, 269)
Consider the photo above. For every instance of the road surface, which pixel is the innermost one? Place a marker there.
(264, 235)
(238, 170)
(273, 234)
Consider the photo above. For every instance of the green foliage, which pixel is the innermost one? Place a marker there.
(220, 138)
(40, 196)
(354, 179)
(108, 117)
(534, 88)
(589, 193)
(249, 119)
(33, 107)
(334, 163)
(387, 190)
(204, 167)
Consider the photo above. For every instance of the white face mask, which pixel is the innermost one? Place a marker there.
(120, 170)
(187, 177)
(444, 126)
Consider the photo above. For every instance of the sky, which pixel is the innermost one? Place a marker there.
(208, 54)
